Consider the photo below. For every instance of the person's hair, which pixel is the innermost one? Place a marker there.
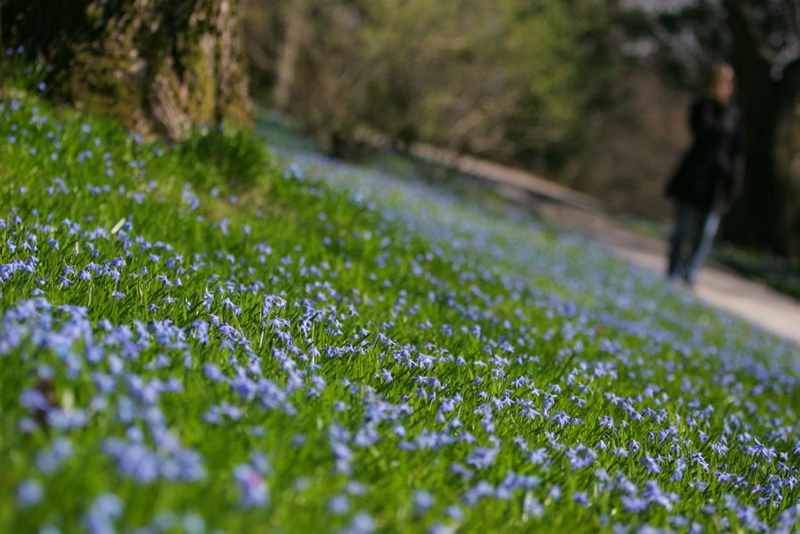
(717, 72)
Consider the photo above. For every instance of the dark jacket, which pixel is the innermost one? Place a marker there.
(706, 175)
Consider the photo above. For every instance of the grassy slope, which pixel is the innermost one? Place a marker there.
(407, 344)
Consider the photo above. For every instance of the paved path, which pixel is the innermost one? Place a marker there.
(752, 301)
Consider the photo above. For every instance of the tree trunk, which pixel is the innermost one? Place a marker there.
(161, 66)
(295, 32)
(787, 155)
(757, 216)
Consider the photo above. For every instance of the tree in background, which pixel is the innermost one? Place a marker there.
(162, 66)
(508, 79)
(766, 54)
(570, 88)
(762, 40)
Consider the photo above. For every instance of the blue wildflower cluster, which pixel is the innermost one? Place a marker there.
(174, 357)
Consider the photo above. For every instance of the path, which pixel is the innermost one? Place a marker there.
(569, 209)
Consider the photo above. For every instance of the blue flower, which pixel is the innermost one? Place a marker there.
(339, 505)
(104, 510)
(423, 501)
(253, 490)
(49, 460)
(29, 493)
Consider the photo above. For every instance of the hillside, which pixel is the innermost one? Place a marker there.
(189, 345)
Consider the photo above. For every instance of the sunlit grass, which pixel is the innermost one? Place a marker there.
(286, 354)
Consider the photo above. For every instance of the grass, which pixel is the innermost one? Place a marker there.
(323, 348)
(782, 275)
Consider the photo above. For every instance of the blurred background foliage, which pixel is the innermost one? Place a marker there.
(553, 86)
(593, 93)
(510, 79)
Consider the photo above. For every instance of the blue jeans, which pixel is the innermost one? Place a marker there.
(691, 240)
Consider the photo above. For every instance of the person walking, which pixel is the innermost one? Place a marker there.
(703, 185)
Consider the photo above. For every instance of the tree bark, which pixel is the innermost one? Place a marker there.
(295, 34)
(757, 216)
(161, 66)
(787, 154)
